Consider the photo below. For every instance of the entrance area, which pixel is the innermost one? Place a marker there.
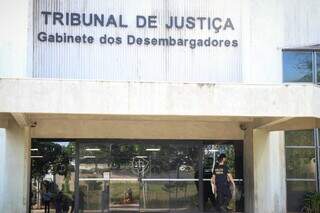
(130, 175)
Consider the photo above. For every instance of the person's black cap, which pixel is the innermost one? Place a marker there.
(221, 156)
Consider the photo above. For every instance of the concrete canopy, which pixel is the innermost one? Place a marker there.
(269, 106)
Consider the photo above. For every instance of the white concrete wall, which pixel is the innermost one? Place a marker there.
(139, 62)
(2, 160)
(159, 99)
(14, 38)
(262, 36)
(265, 172)
(16, 169)
(265, 27)
(268, 26)
(269, 171)
(301, 22)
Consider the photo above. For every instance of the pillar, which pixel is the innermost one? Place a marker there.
(264, 171)
(2, 147)
(15, 168)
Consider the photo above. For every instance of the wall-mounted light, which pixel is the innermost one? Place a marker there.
(35, 149)
(153, 149)
(139, 156)
(93, 149)
(37, 156)
(88, 156)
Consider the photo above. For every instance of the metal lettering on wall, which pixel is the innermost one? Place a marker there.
(181, 40)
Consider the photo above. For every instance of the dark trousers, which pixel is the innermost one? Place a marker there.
(223, 196)
(46, 206)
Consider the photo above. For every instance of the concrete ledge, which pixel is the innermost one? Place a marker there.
(154, 98)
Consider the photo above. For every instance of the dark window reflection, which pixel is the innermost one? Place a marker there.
(301, 163)
(52, 176)
(127, 176)
(301, 166)
(183, 160)
(299, 138)
(296, 191)
(297, 66)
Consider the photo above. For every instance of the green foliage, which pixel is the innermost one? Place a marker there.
(311, 203)
(56, 159)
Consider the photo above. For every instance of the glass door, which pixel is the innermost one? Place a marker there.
(94, 177)
(139, 177)
(107, 182)
(234, 152)
(127, 162)
(153, 176)
(170, 184)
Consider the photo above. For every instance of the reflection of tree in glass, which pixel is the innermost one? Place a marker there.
(299, 137)
(304, 67)
(55, 158)
(300, 162)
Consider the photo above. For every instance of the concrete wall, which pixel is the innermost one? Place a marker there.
(268, 26)
(2, 160)
(136, 129)
(160, 99)
(15, 168)
(262, 36)
(264, 28)
(15, 46)
(139, 62)
(264, 175)
(248, 173)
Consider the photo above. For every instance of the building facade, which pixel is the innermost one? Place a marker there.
(121, 106)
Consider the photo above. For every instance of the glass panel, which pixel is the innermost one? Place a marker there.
(233, 153)
(183, 196)
(124, 195)
(295, 193)
(109, 176)
(236, 203)
(128, 160)
(52, 176)
(297, 66)
(94, 177)
(299, 138)
(159, 166)
(300, 163)
(183, 161)
(169, 162)
(92, 195)
(115, 177)
(155, 196)
(318, 67)
(94, 160)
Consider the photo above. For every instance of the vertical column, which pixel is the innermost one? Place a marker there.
(248, 173)
(264, 165)
(2, 170)
(16, 168)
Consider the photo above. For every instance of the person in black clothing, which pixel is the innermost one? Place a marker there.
(46, 200)
(59, 202)
(221, 178)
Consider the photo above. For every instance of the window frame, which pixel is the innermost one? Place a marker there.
(314, 61)
(316, 147)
